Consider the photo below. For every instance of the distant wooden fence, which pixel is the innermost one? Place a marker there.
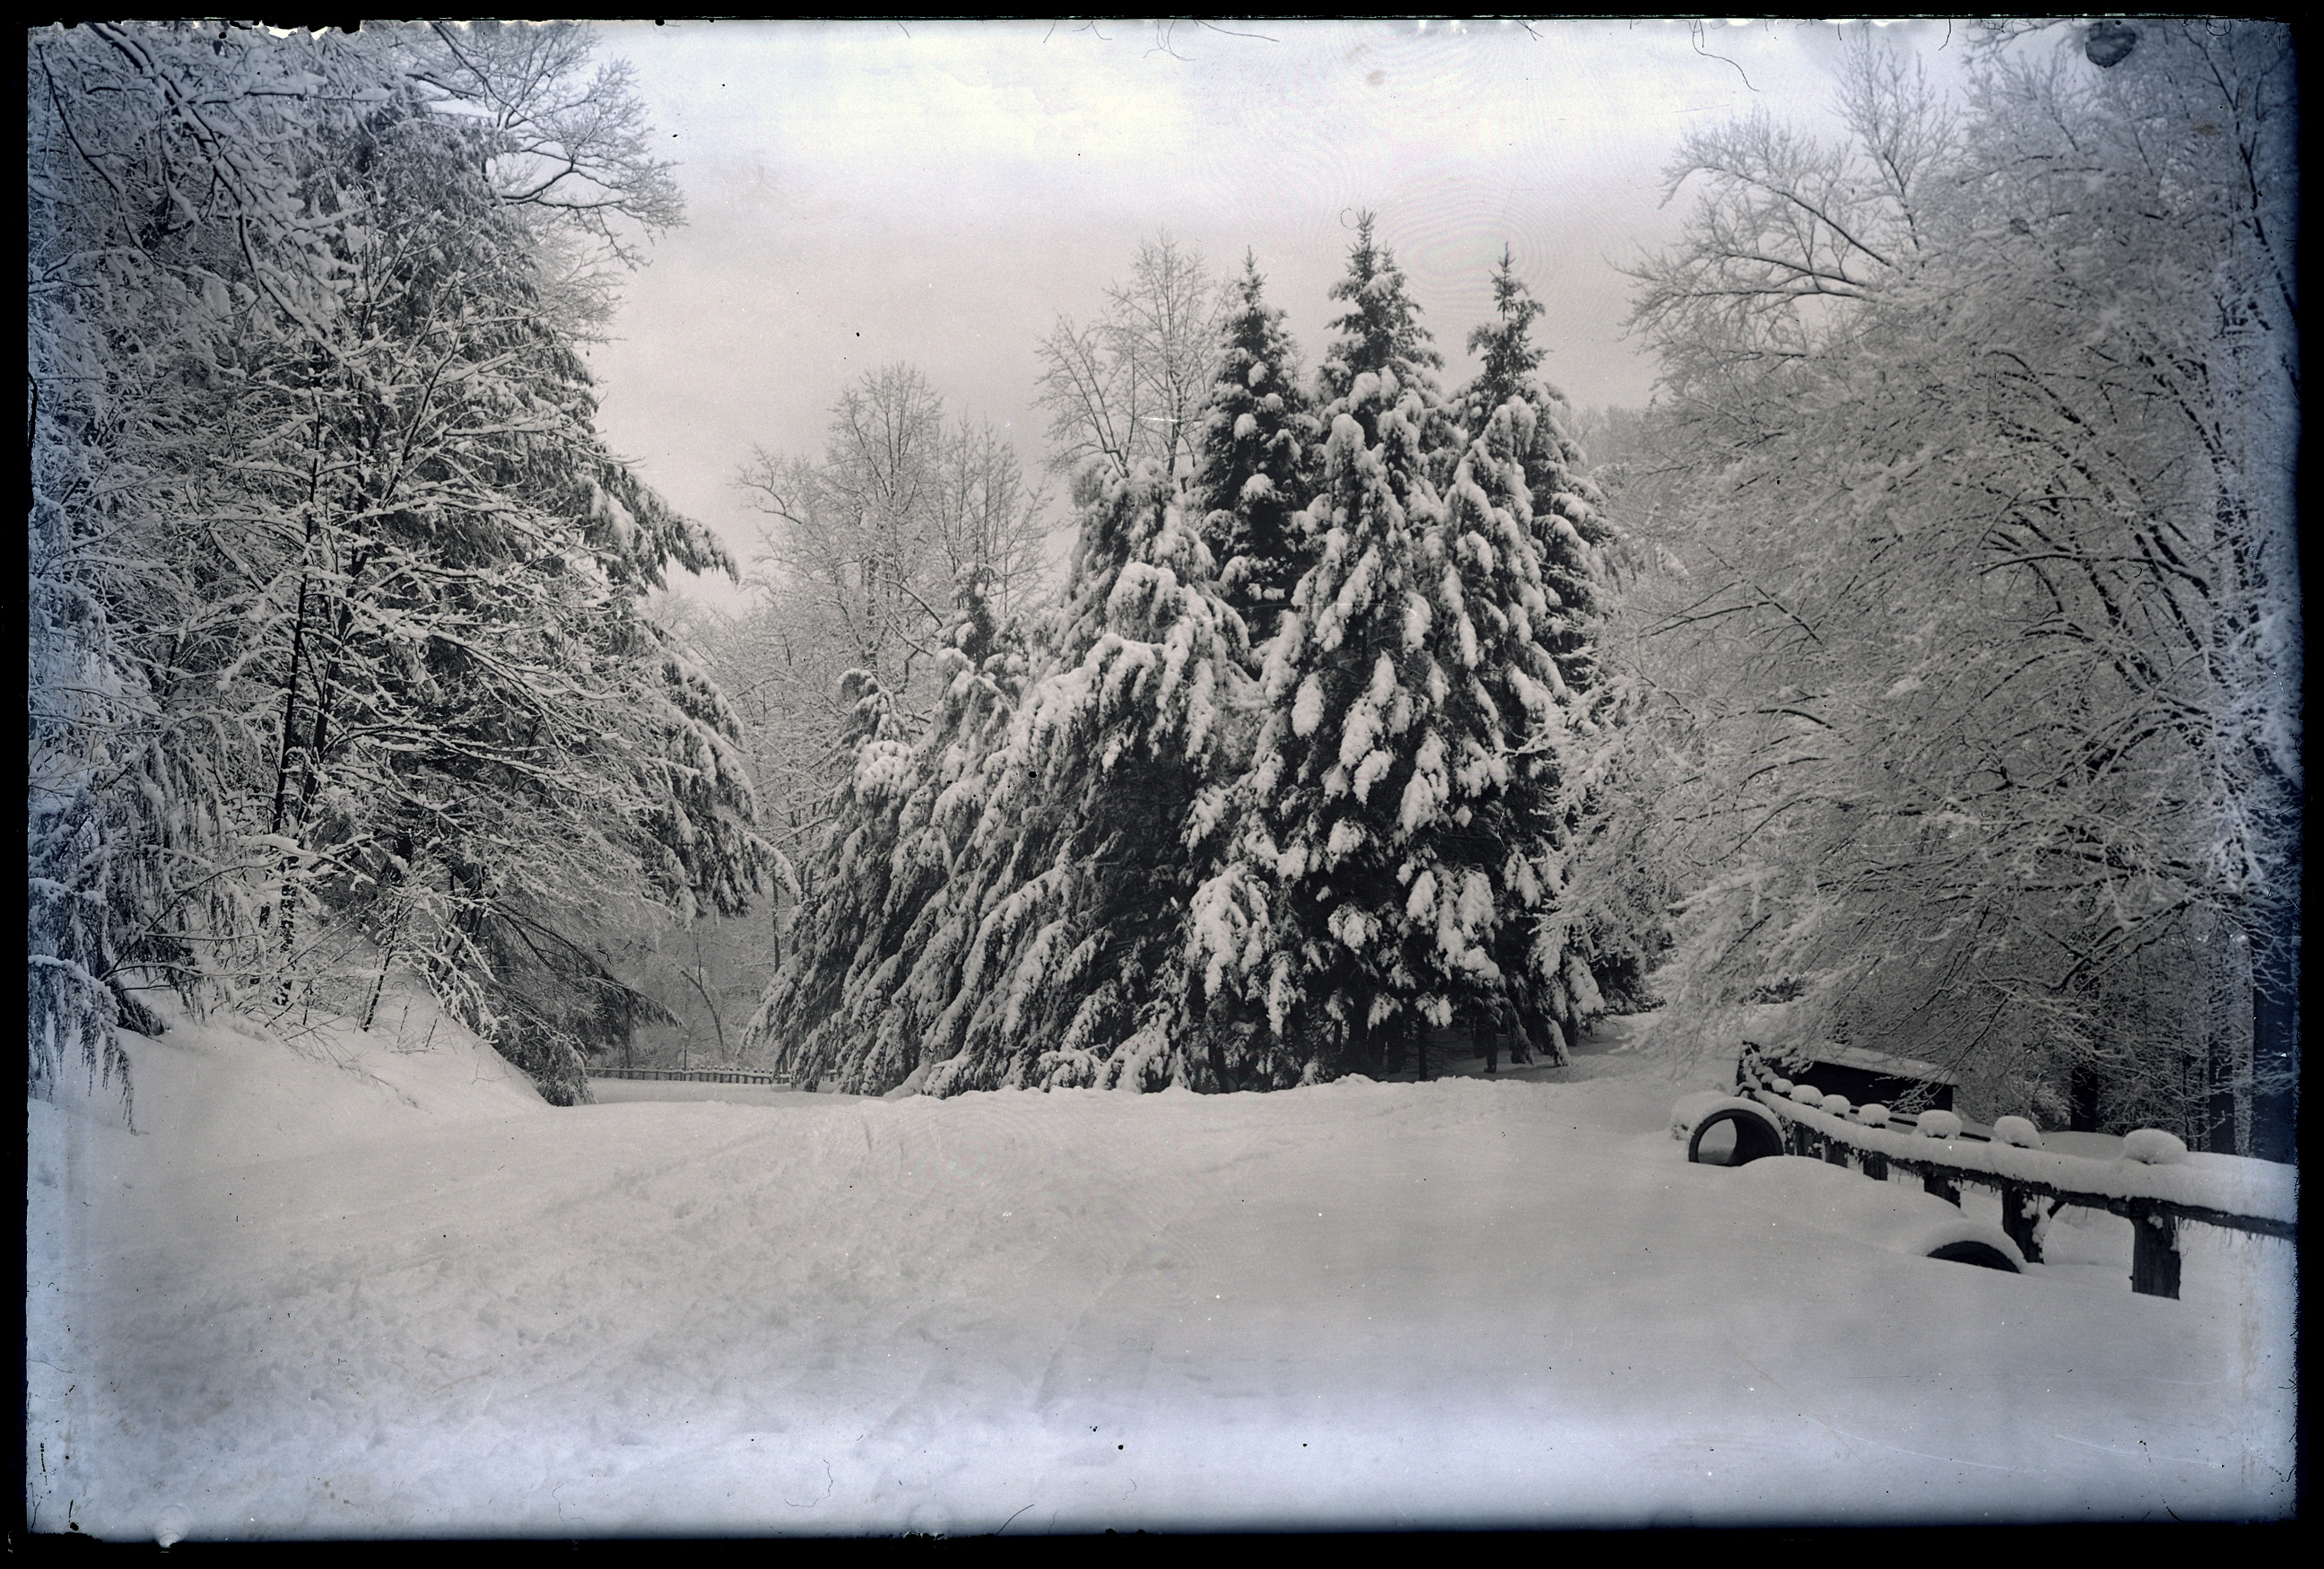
(693, 1076)
(2024, 1178)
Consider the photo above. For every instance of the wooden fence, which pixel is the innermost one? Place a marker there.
(2154, 1261)
(693, 1075)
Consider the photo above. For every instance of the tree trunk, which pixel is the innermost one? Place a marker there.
(2219, 1099)
(2275, 1047)
(2081, 1100)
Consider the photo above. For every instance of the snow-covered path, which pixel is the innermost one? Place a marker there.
(1462, 1303)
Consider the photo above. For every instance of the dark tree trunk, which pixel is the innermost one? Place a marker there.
(2082, 1100)
(2219, 1099)
(2275, 1046)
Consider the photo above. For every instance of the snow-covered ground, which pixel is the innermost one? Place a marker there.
(359, 1290)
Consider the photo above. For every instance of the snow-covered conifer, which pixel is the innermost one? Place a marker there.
(1371, 762)
(1380, 331)
(1569, 529)
(1254, 461)
(1060, 950)
(877, 890)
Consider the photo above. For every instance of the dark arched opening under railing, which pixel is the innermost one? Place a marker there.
(1984, 1255)
(1735, 1138)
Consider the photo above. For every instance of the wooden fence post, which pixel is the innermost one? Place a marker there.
(2153, 1250)
(2019, 1212)
(1875, 1165)
(1943, 1186)
(1835, 1152)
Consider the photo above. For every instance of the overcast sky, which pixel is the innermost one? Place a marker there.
(939, 193)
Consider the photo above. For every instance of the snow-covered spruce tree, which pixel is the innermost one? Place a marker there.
(1569, 527)
(1546, 732)
(1407, 774)
(1380, 331)
(1066, 915)
(802, 1012)
(1254, 461)
(1607, 908)
(837, 1008)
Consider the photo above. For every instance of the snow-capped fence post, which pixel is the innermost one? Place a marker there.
(1942, 1185)
(2021, 1211)
(2153, 1250)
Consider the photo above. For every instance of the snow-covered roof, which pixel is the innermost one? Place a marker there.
(1880, 1062)
(1857, 1057)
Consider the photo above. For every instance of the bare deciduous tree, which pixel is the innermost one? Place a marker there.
(1976, 471)
(1131, 386)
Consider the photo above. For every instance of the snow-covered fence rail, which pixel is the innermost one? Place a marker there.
(2156, 1185)
(698, 1075)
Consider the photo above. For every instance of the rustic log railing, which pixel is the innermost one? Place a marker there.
(2154, 1264)
(699, 1076)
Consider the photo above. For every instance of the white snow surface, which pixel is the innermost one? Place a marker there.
(363, 1291)
(1792, 1188)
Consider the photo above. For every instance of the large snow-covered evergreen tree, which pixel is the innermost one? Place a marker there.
(1603, 911)
(901, 818)
(1407, 694)
(1256, 461)
(1108, 804)
(1033, 930)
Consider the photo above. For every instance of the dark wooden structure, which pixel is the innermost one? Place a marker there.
(697, 1075)
(1863, 1077)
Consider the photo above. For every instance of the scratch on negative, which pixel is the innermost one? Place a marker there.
(2132, 1453)
(1923, 1455)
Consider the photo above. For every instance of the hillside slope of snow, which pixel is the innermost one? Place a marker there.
(1464, 1303)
